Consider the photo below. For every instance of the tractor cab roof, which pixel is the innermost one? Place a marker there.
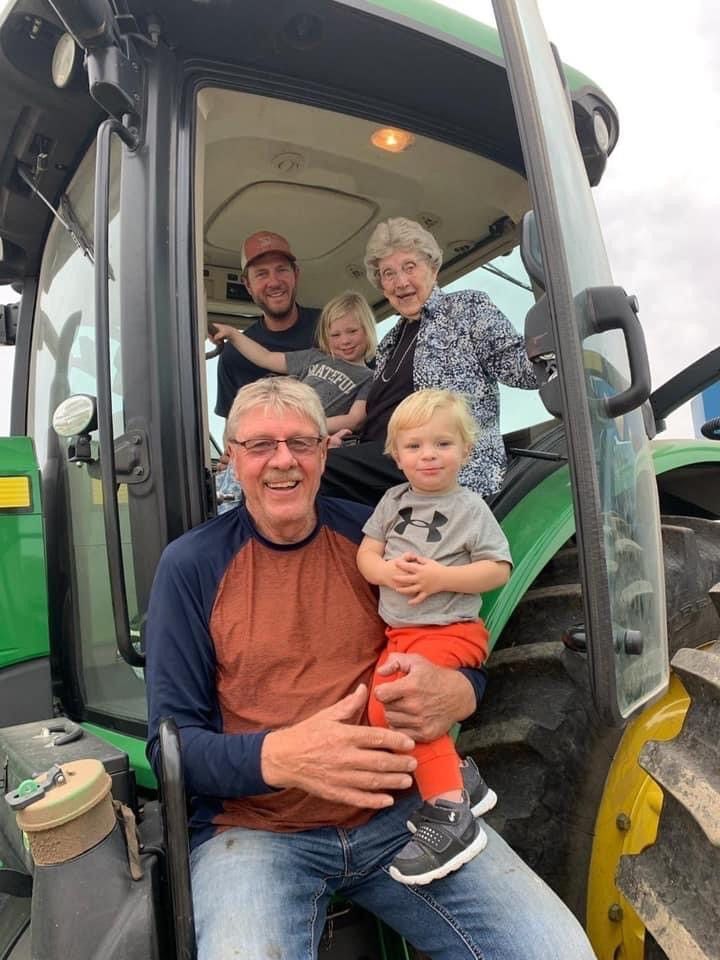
(455, 91)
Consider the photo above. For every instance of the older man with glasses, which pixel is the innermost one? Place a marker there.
(261, 639)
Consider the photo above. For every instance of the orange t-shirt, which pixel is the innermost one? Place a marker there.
(295, 629)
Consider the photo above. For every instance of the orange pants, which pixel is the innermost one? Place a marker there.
(456, 645)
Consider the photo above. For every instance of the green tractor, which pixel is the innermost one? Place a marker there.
(141, 142)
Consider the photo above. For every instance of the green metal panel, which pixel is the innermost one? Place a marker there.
(23, 572)
(536, 529)
(539, 525)
(461, 27)
(133, 747)
(671, 454)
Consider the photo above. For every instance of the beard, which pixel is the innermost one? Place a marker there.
(274, 310)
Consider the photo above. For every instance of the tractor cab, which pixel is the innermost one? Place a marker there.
(141, 144)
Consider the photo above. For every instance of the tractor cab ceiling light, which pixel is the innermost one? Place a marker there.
(392, 139)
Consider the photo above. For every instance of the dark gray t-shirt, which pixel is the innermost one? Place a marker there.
(454, 529)
(338, 383)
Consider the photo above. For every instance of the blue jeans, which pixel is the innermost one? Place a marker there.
(258, 895)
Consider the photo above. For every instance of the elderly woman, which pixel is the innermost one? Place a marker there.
(458, 341)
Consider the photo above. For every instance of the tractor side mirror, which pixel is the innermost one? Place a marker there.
(75, 419)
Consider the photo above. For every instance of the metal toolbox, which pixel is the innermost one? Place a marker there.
(32, 748)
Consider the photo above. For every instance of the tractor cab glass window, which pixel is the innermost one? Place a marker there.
(63, 364)
(616, 513)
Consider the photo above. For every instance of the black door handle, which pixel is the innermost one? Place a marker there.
(610, 308)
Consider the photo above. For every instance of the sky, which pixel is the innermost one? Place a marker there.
(659, 200)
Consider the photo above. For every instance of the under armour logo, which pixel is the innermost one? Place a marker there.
(433, 527)
(452, 817)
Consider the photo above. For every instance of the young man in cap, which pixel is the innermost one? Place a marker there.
(270, 273)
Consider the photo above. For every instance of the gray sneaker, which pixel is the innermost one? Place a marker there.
(482, 798)
(447, 836)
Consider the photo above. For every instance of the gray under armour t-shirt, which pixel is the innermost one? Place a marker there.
(338, 383)
(454, 529)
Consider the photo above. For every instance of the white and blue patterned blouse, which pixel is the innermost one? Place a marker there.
(467, 345)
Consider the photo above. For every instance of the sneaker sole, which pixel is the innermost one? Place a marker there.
(483, 806)
(459, 860)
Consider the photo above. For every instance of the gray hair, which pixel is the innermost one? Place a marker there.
(399, 233)
(277, 395)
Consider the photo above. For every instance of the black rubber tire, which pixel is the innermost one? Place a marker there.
(674, 884)
(536, 737)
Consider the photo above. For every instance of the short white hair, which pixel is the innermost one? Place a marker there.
(277, 395)
(399, 233)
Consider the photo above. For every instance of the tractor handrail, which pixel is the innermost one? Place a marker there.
(671, 395)
(175, 825)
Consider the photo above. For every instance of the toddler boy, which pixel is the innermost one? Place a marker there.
(433, 548)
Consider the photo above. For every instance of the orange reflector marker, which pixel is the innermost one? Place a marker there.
(15, 493)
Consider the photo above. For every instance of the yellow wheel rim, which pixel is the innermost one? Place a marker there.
(627, 822)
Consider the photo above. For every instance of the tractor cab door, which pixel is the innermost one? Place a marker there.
(585, 339)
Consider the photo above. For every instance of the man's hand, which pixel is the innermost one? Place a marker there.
(427, 701)
(336, 438)
(418, 578)
(329, 756)
(221, 332)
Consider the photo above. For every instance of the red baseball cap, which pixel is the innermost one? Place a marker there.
(264, 241)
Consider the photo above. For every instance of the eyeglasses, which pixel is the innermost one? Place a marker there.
(389, 277)
(264, 446)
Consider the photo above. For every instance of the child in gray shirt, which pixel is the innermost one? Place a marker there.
(336, 369)
(433, 548)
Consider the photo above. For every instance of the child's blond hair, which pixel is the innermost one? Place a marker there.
(419, 407)
(340, 306)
